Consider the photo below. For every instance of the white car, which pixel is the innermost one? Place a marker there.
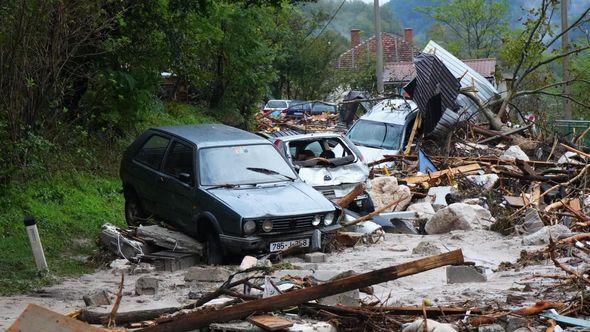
(330, 163)
(276, 106)
(384, 129)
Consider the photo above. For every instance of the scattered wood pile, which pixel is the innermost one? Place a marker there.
(324, 122)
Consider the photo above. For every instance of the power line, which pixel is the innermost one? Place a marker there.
(328, 23)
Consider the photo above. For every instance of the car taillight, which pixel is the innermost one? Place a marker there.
(278, 143)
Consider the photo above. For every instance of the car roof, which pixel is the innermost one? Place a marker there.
(394, 111)
(207, 135)
(291, 138)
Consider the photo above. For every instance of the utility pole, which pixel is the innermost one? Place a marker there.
(567, 106)
(379, 44)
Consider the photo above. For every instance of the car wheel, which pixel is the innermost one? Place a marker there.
(213, 250)
(134, 213)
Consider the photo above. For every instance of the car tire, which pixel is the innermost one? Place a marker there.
(134, 213)
(213, 251)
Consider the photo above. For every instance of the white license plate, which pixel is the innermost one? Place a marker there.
(278, 246)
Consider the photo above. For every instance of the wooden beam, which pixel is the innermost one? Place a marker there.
(438, 174)
(351, 196)
(270, 323)
(202, 318)
(401, 310)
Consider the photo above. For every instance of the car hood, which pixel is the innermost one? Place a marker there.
(333, 176)
(279, 199)
(373, 154)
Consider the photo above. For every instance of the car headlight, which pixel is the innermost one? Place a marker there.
(316, 220)
(267, 225)
(329, 218)
(249, 227)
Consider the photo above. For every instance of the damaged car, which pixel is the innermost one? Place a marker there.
(385, 129)
(330, 163)
(226, 187)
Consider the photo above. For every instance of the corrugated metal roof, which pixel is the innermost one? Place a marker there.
(405, 71)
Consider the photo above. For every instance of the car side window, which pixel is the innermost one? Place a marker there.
(179, 160)
(153, 150)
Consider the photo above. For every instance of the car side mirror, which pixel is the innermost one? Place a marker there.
(185, 178)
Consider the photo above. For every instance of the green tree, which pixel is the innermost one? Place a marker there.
(469, 28)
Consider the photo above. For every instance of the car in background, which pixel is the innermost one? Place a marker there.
(298, 109)
(224, 186)
(328, 162)
(276, 106)
(385, 129)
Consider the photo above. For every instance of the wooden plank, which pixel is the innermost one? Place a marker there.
(35, 318)
(270, 322)
(438, 174)
(202, 318)
(351, 196)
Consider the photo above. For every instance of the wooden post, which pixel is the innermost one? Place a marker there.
(202, 318)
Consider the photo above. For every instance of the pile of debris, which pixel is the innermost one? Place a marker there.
(324, 122)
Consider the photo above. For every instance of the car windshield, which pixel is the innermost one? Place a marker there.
(276, 104)
(376, 134)
(243, 164)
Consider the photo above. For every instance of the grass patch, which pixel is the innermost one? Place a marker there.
(70, 208)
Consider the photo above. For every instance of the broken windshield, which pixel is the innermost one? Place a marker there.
(374, 134)
(232, 165)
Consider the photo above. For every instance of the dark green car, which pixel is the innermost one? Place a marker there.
(224, 186)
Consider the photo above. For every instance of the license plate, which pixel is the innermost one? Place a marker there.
(278, 246)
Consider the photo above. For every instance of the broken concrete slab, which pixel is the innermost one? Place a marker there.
(350, 299)
(459, 216)
(146, 286)
(210, 274)
(315, 257)
(463, 274)
(168, 260)
(169, 239)
(541, 236)
(143, 268)
(96, 298)
(112, 239)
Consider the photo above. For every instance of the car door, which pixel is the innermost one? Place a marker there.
(178, 184)
(146, 171)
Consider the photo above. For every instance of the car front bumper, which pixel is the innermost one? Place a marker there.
(261, 243)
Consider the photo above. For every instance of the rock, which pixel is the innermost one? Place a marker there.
(541, 236)
(426, 248)
(385, 189)
(485, 181)
(532, 222)
(438, 196)
(347, 299)
(459, 216)
(143, 268)
(121, 266)
(513, 323)
(99, 297)
(491, 328)
(424, 210)
(433, 326)
(248, 262)
(146, 286)
(264, 263)
(315, 257)
(514, 152)
(211, 274)
(463, 274)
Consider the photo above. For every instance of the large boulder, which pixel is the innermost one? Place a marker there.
(459, 216)
(385, 190)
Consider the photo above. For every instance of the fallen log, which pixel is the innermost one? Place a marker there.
(351, 196)
(202, 318)
(124, 318)
(438, 174)
(401, 311)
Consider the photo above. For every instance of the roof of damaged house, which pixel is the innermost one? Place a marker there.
(212, 134)
(405, 71)
(395, 48)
